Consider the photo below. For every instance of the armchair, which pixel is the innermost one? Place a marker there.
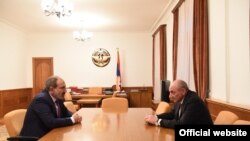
(115, 104)
(68, 98)
(242, 122)
(13, 121)
(163, 107)
(226, 117)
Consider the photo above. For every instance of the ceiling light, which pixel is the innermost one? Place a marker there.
(82, 36)
(57, 7)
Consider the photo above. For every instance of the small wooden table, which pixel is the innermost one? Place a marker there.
(103, 126)
(84, 101)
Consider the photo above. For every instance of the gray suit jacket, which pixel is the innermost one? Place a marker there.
(194, 111)
(41, 116)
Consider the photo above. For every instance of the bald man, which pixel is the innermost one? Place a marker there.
(47, 110)
(188, 109)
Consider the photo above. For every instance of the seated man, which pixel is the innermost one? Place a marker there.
(47, 110)
(188, 109)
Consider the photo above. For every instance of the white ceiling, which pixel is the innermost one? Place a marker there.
(109, 15)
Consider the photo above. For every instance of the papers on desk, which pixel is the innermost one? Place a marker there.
(121, 93)
(75, 93)
(108, 92)
(116, 93)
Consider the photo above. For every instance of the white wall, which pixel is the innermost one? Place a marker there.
(72, 59)
(229, 54)
(12, 57)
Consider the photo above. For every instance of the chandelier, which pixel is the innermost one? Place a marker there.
(82, 36)
(57, 7)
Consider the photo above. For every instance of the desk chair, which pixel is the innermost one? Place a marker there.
(70, 106)
(242, 122)
(68, 98)
(163, 107)
(95, 101)
(115, 104)
(13, 121)
(226, 117)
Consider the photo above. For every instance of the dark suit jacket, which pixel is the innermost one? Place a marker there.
(41, 116)
(194, 111)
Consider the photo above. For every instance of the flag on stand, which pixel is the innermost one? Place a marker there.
(118, 74)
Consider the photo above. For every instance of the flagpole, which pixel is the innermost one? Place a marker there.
(118, 73)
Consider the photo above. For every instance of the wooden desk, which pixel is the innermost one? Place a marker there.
(80, 96)
(84, 101)
(100, 126)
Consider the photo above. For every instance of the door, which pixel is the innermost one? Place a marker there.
(42, 69)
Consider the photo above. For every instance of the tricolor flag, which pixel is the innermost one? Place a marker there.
(118, 74)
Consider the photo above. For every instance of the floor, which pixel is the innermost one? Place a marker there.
(3, 131)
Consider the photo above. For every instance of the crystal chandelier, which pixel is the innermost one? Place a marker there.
(82, 36)
(57, 7)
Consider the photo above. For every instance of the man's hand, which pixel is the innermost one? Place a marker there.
(77, 118)
(152, 119)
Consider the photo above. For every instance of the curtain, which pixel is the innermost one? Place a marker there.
(185, 44)
(159, 60)
(175, 42)
(200, 47)
(190, 49)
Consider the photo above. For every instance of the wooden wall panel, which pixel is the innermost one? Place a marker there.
(216, 106)
(139, 96)
(14, 99)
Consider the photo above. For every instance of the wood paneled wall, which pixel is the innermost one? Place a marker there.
(139, 96)
(14, 99)
(216, 106)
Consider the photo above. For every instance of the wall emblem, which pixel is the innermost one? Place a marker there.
(101, 57)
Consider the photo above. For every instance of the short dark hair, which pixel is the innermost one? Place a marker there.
(51, 82)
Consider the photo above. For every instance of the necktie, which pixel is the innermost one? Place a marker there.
(180, 110)
(58, 109)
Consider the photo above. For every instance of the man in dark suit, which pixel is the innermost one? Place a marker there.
(47, 110)
(188, 108)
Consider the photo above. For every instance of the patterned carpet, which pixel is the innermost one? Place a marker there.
(3, 133)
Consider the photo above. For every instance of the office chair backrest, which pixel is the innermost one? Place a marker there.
(70, 106)
(242, 122)
(67, 96)
(226, 117)
(13, 121)
(95, 90)
(115, 104)
(163, 107)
